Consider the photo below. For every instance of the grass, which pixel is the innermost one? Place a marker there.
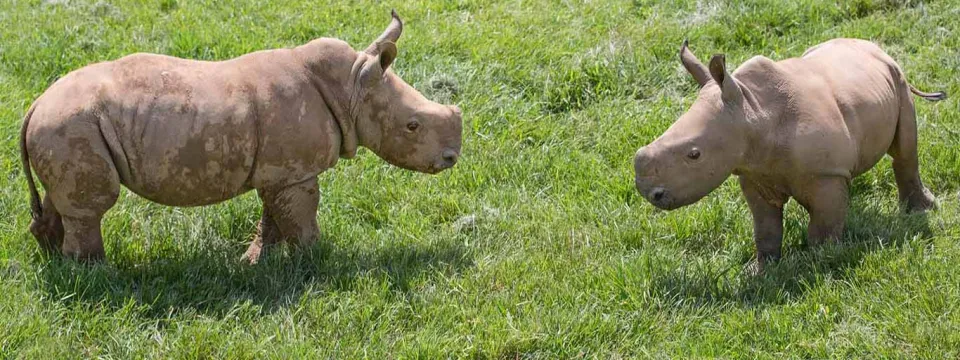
(536, 245)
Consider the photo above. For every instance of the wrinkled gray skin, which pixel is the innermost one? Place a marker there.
(800, 128)
(188, 133)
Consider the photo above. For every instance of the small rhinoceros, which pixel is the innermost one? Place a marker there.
(189, 133)
(800, 128)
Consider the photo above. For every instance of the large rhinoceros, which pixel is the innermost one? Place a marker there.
(800, 128)
(189, 133)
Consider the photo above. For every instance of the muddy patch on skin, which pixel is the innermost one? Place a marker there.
(193, 154)
(89, 173)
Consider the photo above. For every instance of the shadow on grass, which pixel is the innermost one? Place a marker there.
(213, 281)
(800, 270)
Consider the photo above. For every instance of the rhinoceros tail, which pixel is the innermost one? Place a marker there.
(937, 96)
(35, 209)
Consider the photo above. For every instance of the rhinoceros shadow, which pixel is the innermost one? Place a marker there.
(801, 269)
(214, 282)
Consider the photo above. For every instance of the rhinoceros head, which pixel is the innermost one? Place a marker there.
(394, 120)
(702, 148)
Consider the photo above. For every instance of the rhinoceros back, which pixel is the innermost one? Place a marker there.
(864, 84)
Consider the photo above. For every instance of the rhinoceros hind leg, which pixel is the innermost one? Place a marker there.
(48, 229)
(290, 214)
(914, 197)
(82, 183)
(83, 240)
(826, 200)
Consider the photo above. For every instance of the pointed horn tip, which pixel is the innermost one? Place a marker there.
(393, 13)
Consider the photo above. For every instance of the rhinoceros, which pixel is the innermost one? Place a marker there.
(800, 128)
(189, 133)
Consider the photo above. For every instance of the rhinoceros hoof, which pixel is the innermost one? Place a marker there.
(921, 202)
(252, 255)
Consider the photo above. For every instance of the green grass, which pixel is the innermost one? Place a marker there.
(536, 245)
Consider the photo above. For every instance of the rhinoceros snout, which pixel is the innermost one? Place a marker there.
(449, 157)
(661, 198)
(647, 181)
(657, 194)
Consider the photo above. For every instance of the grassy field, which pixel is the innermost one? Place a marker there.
(536, 245)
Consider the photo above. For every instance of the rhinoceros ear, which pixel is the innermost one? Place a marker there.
(383, 51)
(390, 35)
(373, 71)
(388, 53)
(693, 66)
(729, 89)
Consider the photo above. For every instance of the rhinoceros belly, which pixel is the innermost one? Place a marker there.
(188, 154)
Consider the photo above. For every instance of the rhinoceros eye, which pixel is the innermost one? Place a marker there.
(694, 154)
(413, 126)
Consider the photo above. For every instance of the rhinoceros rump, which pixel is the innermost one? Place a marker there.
(800, 128)
(188, 133)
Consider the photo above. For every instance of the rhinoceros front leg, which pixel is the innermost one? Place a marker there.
(826, 200)
(767, 222)
(289, 214)
(267, 236)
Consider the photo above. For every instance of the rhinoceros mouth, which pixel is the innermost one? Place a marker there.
(666, 205)
(435, 169)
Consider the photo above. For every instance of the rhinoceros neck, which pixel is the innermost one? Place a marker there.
(765, 103)
(329, 64)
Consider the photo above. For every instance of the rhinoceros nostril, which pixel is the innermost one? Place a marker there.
(450, 157)
(657, 194)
